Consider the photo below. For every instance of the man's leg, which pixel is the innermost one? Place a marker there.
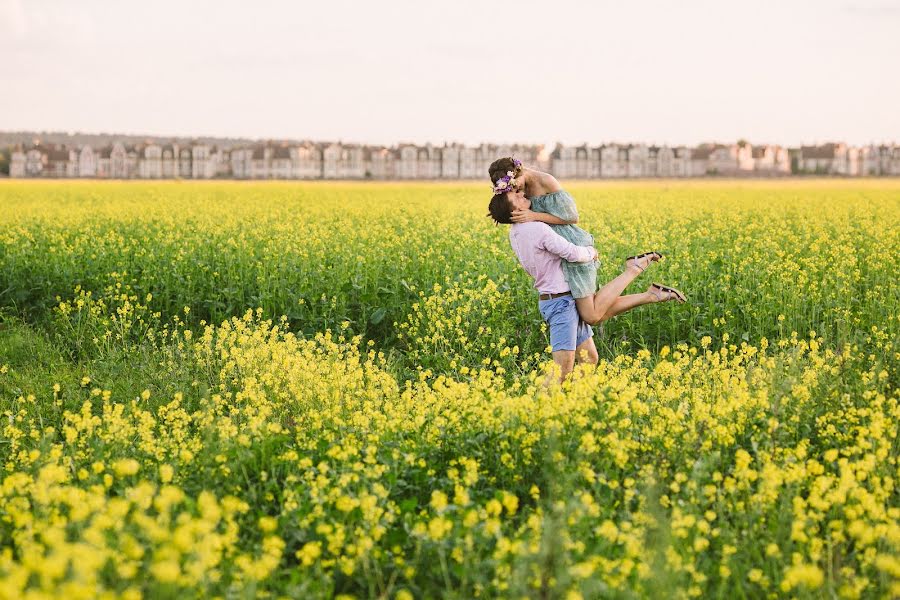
(563, 322)
(586, 353)
(565, 360)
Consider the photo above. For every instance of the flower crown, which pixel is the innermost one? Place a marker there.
(504, 184)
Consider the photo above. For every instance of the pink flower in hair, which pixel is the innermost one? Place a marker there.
(504, 184)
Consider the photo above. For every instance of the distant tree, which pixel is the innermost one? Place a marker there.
(742, 142)
(5, 154)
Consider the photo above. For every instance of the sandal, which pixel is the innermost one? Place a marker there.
(670, 293)
(650, 257)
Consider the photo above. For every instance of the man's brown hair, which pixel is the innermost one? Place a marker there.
(502, 166)
(500, 209)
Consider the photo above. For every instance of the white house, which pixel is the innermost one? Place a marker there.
(450, 162)
(151, 162)
(381, 163)
(771, 159)
(352, 163)
(307, 161)
(201, 161)
(636, 157)
(407, 157)
(830, 159)
(87, 162)
(17, 162)
(429, 166)
(240, 162)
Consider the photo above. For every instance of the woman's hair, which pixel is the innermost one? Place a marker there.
(500, 209)
(502, 166)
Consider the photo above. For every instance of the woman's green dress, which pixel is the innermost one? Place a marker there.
(582, 277)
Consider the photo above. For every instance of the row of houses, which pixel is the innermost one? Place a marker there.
(283, 160)
(841, 159)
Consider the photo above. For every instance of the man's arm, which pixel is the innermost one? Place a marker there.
(556, 244)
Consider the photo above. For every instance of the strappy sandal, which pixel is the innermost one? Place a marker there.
(648, 255)
(670, 293)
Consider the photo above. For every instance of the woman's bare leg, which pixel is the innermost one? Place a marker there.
(593, 308)
(626, 303)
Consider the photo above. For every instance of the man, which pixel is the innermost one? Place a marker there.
(541, 251)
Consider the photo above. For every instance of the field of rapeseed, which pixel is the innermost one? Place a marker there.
(334, 390)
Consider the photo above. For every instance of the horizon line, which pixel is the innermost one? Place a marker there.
(445, 142)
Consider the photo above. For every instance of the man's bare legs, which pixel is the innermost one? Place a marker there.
(565, 362)
(584, 354)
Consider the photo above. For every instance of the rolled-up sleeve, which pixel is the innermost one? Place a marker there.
(556, 244)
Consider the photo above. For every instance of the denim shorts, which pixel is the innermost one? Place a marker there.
(567, 330)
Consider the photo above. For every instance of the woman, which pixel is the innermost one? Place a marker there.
(556, 207)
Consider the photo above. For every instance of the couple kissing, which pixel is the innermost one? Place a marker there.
(561, 258)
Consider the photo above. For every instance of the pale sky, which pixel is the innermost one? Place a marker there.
(786, 71)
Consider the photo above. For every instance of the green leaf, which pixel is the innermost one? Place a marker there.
(378, 316)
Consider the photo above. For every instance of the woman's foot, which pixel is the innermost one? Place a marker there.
(642, 261)
(664, 293)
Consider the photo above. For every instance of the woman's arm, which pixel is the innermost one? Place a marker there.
(524, 216)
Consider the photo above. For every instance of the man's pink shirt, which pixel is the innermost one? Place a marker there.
(541, 251)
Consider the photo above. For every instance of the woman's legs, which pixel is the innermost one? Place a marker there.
(626, 303)
(594, 309)
(619, 304)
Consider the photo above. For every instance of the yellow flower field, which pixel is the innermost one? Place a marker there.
(318, 390)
